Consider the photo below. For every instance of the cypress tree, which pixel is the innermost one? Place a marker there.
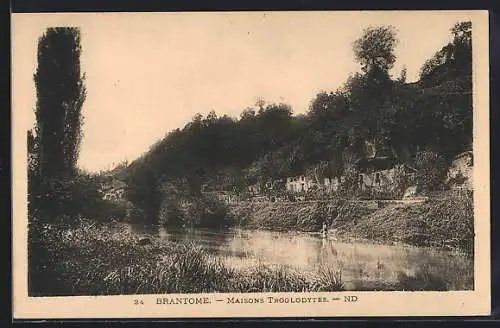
(60, 95)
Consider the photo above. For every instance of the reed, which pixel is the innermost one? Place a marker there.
(90, 259)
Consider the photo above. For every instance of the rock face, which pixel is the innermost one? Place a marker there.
(460, 171)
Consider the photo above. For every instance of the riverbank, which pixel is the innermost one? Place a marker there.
(279, 216)
(88, 258)
(442, 222)
(96, 258)
(446, 221)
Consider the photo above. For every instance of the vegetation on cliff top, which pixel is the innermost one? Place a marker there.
(68, 256)
(268, 142)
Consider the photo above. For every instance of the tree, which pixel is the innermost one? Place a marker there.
(60, 96)
(370, 102)
(267, 142)
(54, 145)
(375, 48)
(446, 100)
(247, 114)
(403, 75)
(462, 33)
(452, 60)
(431, 170)
(371, 92)
(462, 43)
(56, 189)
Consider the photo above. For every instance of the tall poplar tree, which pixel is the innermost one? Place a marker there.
(55, 142)
(60, 95)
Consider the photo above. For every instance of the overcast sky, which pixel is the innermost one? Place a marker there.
(147, 74)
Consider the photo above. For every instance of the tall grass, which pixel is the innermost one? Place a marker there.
(282, 216)
(446, 222)
(96, 258)
(90, 259)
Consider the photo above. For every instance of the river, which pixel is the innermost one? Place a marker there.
(364, 265)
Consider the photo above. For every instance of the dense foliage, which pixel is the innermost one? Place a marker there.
(267, 142)
(60, 96)
(54, 144)
(426, 122)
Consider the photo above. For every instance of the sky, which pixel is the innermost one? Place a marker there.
(147, 74)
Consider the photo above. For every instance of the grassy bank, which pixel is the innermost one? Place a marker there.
(281, 216)
(444, 221)
(91, 259)
(96, 259)
(447, 221)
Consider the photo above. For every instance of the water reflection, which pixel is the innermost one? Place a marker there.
(366, 262)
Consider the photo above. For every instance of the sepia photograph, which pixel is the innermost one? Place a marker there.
(252, 158)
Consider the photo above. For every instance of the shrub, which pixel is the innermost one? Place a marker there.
(329, 279)
(51, 198)
(170, 213)
(214, 213)
(348, 187)
(118, 210)
(401, 181)
(90, 258)
(194, 211)
(431, 170)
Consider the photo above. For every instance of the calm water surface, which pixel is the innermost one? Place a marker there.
(308, 252)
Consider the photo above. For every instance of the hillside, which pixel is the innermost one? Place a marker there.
(372, 112)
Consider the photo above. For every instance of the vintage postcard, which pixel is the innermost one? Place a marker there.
(250, 164)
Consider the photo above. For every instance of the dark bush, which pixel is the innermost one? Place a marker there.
(115, 210)
(431, 171)
(170, 213)
(215, 212)
(195, 211)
